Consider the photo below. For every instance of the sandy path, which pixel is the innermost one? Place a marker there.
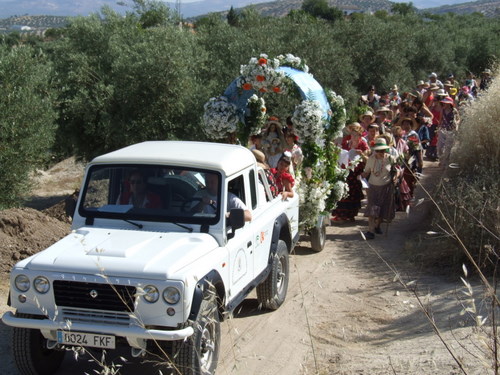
(344, 314)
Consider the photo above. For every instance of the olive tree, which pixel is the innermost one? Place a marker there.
(27, 124)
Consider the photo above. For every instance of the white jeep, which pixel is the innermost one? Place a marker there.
(147, 266)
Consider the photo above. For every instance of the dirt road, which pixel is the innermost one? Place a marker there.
(344, 314)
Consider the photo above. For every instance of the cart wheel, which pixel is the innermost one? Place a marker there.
(318, 238)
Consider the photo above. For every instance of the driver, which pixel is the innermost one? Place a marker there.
(208, 196)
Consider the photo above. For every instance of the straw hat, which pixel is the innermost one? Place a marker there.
(434, 87)
(441, 92)
(384, 109)
(261, 158)
(367, 113)
(380, 144)
(414, 123)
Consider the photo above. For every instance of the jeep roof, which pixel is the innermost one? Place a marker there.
(217, 156)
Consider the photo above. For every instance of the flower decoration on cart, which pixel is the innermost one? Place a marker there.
(321, 183)
(220, 118)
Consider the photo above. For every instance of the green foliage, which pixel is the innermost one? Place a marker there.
(320, 9)
(403, 9)
(122, 84)
(233, 19)
(27, 123)
(152, 13)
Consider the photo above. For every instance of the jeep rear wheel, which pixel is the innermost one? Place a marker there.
(318, 238)
(272, 292)
(199, 354)
(30, 352)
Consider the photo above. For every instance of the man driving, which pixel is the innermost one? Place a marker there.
(208, 198)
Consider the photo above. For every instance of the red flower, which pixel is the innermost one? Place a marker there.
(262, 61)
(247, 86)
(260, 78)
(276, 89)
(263, 90)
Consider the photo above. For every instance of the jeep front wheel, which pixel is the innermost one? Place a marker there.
(272, 292)
(199, 354)
(30, 352)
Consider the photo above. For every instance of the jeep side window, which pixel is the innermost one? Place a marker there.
(253, 189)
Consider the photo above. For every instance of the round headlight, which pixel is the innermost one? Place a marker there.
(151, 294)
(171, 295)
(41, 284)
(22, 283)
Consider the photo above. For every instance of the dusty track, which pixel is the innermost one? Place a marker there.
(344, 314)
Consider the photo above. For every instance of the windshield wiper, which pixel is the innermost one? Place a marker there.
(189, 229)
(140, 226)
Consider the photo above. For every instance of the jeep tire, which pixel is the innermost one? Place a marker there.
(272, 292)
(30, 352)
(199, 354)
(318, 238)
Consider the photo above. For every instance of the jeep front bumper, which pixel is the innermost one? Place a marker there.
(135, 335)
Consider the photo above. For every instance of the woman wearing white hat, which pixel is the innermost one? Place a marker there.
(382, 172)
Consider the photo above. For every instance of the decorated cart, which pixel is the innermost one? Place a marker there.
(283, 87)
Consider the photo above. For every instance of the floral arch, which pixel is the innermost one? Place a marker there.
(318, 117)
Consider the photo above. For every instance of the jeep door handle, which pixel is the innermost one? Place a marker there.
(249, 243)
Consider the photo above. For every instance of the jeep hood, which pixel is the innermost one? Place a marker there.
(124, 253)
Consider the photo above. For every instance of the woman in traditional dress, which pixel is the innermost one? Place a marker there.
(348, 208)
(382, 171)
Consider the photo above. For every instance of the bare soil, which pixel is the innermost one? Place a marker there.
(344, 313)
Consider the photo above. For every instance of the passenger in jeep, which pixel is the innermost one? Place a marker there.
(208, 202)
(137, 195)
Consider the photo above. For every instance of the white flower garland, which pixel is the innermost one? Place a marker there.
(312, 198)
(220, 118)
(308, 120)
(258, 110)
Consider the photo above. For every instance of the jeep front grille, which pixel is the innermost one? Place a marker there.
(95, 316)
(94, 296)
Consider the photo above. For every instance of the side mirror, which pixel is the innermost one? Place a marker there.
(237, 218)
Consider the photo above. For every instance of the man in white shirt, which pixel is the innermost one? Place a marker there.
(208, 202)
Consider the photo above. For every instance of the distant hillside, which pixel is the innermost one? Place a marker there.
(279, 8)
(490, 8)
(31, 23)
(283, 7)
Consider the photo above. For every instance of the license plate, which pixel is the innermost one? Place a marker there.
(86, 339)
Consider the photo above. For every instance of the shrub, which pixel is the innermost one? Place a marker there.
(470, 197)
(27, 124)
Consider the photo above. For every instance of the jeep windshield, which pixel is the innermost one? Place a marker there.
(159, 193)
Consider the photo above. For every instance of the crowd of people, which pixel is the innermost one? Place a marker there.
(384, 151)
(386, 148)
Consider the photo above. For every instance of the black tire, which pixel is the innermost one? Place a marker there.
(30, 353)
(199, 354)
(272, 292)
(318, 238)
